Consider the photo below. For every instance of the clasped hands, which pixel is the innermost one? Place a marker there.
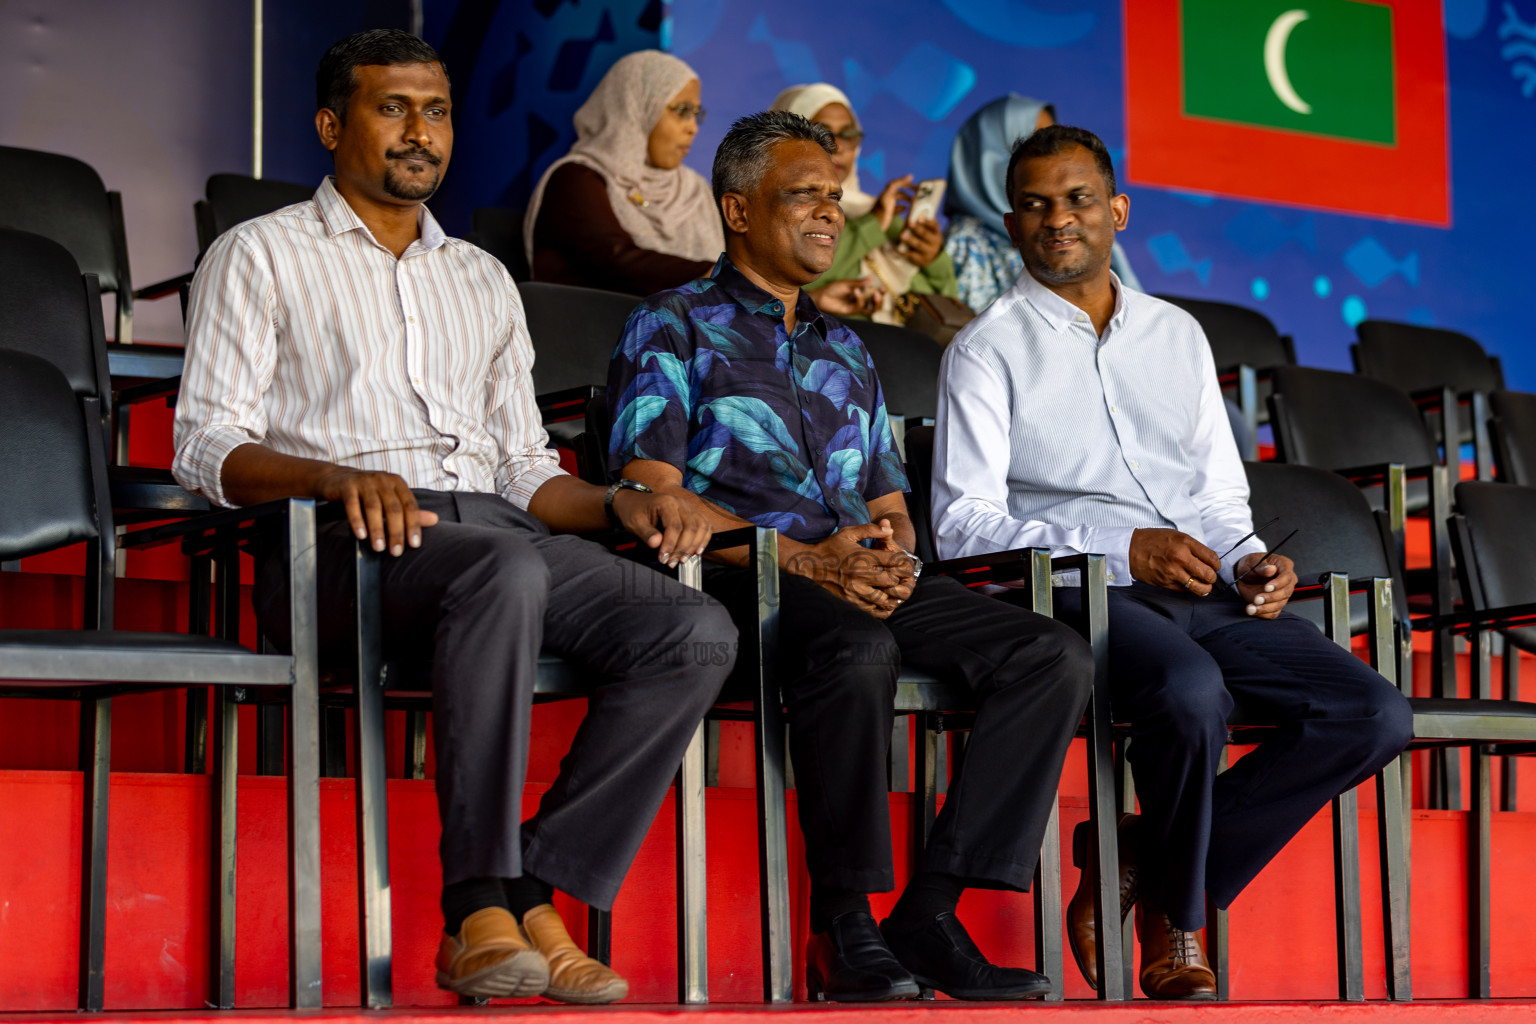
(1176, 561)
(876, 579)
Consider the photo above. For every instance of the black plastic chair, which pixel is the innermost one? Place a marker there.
(1512, 425)
(1245, 345)
(574, 332)
(55, 468)
(500, 233)
(232, 199)
(1372, 433)
(1428, 362)
(48, 308)
(908, 364)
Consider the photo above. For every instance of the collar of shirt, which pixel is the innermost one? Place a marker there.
(758, 302)
(1060, 313)
(339, 218)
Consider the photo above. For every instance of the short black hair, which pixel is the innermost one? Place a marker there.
(742, 159)
(1054, 138)
(336, 80)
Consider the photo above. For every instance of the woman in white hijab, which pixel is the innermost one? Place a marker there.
(880, 257)
(620, 211)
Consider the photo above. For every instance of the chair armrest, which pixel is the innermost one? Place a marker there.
(196, 533)
(1467, 622)
(147, 392)
(567, 403)
(160, 289)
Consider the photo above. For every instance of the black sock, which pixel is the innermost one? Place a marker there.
(929, 894)
(526, 892)
(828, 902)
(464, 898)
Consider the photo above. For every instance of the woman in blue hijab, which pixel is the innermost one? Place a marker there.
(986, 263)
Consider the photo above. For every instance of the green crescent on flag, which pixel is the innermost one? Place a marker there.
(1324, 67)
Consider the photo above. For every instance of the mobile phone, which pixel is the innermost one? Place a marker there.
(926, 196)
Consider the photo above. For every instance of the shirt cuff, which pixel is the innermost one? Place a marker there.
(520, 491)
(199, 464)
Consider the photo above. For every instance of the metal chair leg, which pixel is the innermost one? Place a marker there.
(1510, 664)
(1049, 958)
(95, 762)
(1346, 827)
(1390, 827)
(1479, 842)
(304, 971)
(773, 825)
(600, 935)
(226, 777)
(692, 882)
(416, 744)
(1216, 931)
(373, 893)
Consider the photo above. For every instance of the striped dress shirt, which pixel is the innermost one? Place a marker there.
(1051, 436)
(307, 336)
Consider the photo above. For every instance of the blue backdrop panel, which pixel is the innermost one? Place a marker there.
(917, 69)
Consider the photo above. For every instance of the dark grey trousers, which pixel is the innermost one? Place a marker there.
(486, 591)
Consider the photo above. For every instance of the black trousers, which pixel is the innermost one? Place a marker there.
(1031, 677)
(486, 591)
(1181, 667)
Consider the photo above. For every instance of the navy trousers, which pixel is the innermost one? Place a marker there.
(1181, 668)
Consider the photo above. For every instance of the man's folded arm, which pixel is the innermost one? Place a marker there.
(970, 476)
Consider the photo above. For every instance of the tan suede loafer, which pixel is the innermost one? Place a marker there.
(574, 977)
(491, 958)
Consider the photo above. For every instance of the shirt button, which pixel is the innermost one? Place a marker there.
(1082, 318)
(415, 380)
(1135, 464)
(1114, 408)
(1109, 577)
(410, 319)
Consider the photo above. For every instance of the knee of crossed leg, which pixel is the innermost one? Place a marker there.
(1391, 725)
(1188, 701)
(508, 571)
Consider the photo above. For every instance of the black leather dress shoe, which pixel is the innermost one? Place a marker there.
(850, 963)
(942, 956)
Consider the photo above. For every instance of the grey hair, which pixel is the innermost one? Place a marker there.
(742, 159)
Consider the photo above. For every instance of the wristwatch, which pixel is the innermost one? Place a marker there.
(917, 563)
(621, 484)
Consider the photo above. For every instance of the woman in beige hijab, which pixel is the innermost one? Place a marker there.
(879, 256)
(620, 211)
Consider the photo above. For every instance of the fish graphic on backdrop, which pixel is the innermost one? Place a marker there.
(1521, 52)
(927, 79)
(1172, 258)
(1258, 234)
(1370, 261)
(795, 60)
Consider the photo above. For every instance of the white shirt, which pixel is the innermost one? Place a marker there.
(307, 336)
(1050, 436)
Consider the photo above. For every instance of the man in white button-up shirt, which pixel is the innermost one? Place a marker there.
(1082, 416)
(344, 348)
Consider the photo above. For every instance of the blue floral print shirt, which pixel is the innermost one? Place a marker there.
(785, 431)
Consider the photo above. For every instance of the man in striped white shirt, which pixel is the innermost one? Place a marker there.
(344, 348)
(1083, 416)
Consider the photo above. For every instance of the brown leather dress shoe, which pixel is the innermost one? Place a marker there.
(490, 958)
(1082, 925)
(1173, 964)
(574, 977)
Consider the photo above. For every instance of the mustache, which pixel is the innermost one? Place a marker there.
(415, 153)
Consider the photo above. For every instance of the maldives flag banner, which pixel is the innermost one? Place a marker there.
(1330, 104)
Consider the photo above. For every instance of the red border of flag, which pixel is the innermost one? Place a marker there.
(1409, 181)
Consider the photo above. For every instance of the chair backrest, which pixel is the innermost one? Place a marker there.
(574, 332)
(1337, 531)
(1513, 423)
(1342, 421)
(500, 233)
(1237, 334)
(47, 308)
(1413, 358)
(1499, 518)
(64, 199)
(920, 495)
(49, 498)
(236, 198)
(908, 364)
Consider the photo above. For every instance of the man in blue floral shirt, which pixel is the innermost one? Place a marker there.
(735, 392)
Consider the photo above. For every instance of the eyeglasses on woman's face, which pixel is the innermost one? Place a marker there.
(851, 135)
(692, 110)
